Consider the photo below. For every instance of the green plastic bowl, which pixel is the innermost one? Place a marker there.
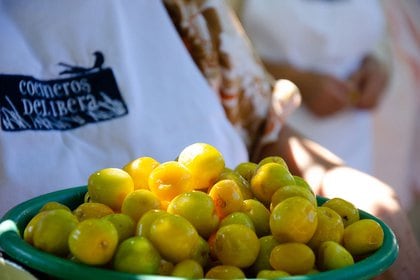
(13, 223)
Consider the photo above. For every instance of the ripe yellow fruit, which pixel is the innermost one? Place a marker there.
(54, 205)
(332, 255)
(330, 227)
(348, 212)
(51, 231)
(110, 186)
(139, 169)
(170, 179)
(242, 183)
(259, 214)
(193, 217)
(145, 222)
(246, 169)
(268, 178)
(267, 244)
(363, 237)
(198, 208)
(236, 245)
(289, 191)
(28, 232)
(240, 218)
(93, 241)
(174, 237)
(205, 162)
(188, 269)
(124, 224)
(294, 220)
(137, 255)
(90, 210)
(202, 252)
(275, 159)
(227, 197)
(139, 202)
(293, 258)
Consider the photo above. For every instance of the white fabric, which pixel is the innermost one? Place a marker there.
(397, 120)
(170, 104)
(326, 36)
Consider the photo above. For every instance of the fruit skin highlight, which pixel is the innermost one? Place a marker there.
(170, 179)
(205, 162)
(28, 233)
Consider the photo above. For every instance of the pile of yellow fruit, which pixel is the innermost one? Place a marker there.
(193, 217)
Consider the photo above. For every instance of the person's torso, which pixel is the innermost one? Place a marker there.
(327, 36)
(92, 84)
(330, 36)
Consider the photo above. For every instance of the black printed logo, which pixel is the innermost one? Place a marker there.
(99, 61)
(88, 95)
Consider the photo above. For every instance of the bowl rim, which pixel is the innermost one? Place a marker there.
(14, 221)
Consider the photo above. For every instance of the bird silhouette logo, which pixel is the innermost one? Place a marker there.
(72, 69)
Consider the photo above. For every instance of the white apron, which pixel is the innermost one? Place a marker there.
(326, 36)
(143, 97)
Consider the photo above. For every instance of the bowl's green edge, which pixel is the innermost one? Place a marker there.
(14, 221)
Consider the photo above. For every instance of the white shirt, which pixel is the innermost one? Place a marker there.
(330, 37)
(158, 104)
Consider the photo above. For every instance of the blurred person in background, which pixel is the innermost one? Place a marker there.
(398, 119)
(124, 83)
(328, 49)
(355, 63)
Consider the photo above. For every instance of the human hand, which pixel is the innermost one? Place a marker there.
(371, 80)
(323, 94)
